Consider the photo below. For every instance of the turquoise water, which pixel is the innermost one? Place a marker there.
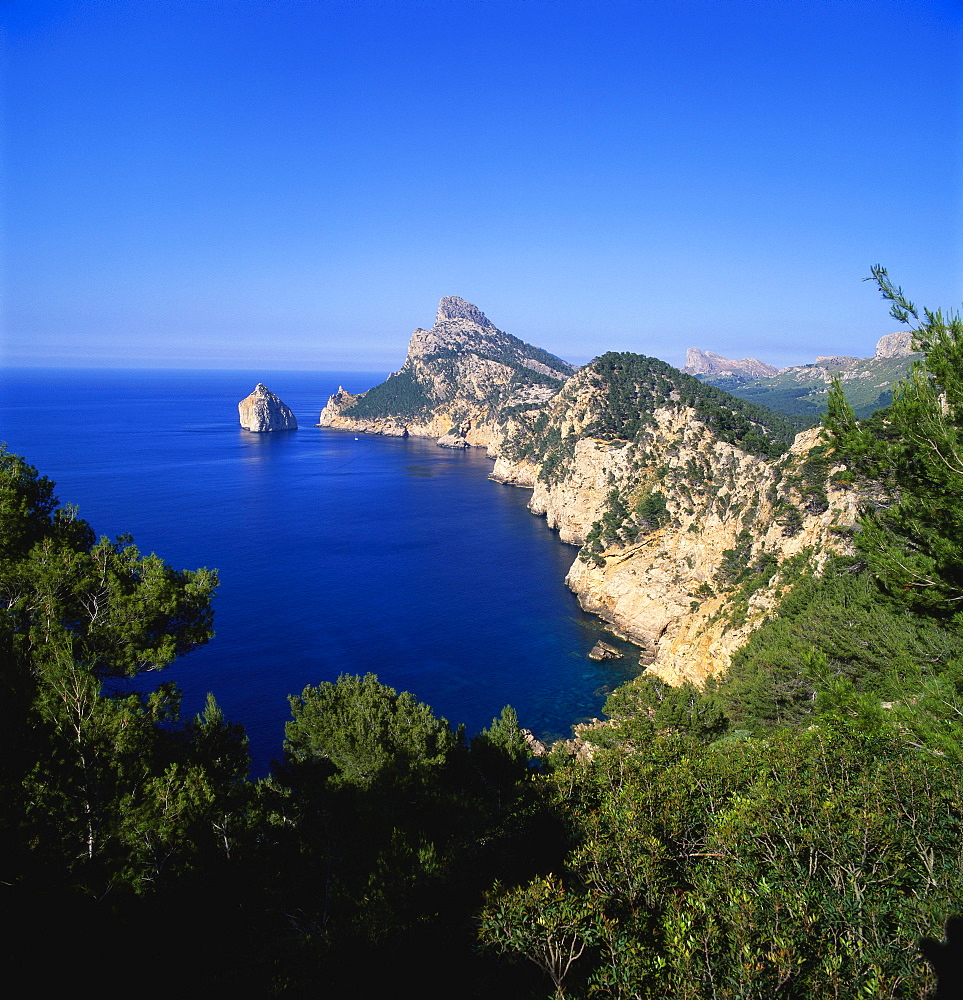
(337, 554)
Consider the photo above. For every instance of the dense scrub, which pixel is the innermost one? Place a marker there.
(401, 395)
(630, 386)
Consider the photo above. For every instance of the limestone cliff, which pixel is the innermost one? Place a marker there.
(895, 345)
(458, 379)
(687, 538)
(693, 510)
(263, 411)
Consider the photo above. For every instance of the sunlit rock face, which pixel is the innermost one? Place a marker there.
(895, 345)
(457, 381)
(699, 362)
(672, 586)
(601, 446)
(263, 411)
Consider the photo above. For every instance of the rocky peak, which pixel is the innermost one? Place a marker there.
(453, 307)
(895, 345)
(455, 381)
(263, 411)
(699, 362)
(464, 329)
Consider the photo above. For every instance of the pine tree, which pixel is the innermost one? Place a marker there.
(912, 532)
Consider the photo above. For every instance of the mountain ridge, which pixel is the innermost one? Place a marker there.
(456, 379)
(804, 389)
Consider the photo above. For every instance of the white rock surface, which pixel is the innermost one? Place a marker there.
(263, 411)
(895, 345)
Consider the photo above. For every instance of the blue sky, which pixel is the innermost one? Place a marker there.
(295, 184)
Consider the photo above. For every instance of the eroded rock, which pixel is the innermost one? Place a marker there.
(263, 411)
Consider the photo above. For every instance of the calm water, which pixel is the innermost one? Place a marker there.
(336, 554)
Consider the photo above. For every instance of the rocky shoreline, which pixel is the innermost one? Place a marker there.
(673, 585)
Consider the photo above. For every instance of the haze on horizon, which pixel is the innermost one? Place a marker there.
(244, 183)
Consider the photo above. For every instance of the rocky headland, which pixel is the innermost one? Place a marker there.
(263, 411)
(458, 379)
(694, 511)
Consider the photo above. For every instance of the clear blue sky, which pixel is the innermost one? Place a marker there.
(295, 184)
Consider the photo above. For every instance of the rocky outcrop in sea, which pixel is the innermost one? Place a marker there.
(263, 411)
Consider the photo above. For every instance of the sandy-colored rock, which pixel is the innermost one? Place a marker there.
(657, 588)
(452, 441)
(466, 372)
(666, 583)
(263, 411)
(895, 345)
(604, 651)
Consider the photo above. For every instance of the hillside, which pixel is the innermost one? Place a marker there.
(803, 389)
(694, 511)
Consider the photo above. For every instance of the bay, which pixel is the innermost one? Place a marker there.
(336, 553)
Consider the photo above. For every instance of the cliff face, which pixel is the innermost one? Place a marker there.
(263, 411)
(676, 588)
(457, 380)
(687, 541)
(895, 345)
(693, 510)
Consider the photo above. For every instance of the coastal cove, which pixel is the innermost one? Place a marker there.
(338, 553)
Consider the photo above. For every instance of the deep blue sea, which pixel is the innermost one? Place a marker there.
(337, 554)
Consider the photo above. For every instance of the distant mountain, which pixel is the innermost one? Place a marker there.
(709, 367)
(803, 389)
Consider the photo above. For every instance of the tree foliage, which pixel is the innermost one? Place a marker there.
(105, 786)
(366, 734)
(791, 830)
(101, 601)
(912, 536)
(543, 922)
(630, 386)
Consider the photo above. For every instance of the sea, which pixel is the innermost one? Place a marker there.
(337, 553)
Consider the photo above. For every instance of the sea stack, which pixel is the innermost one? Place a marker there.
(263, 411)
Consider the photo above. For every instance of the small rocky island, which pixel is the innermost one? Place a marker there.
(263, 411)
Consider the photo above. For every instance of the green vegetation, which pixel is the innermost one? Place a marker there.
(630, 386)
(803, 395)
(805, 865)
(405, 396)
(789, 830)
(622, 525)
(400, 395)
(651, 510)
